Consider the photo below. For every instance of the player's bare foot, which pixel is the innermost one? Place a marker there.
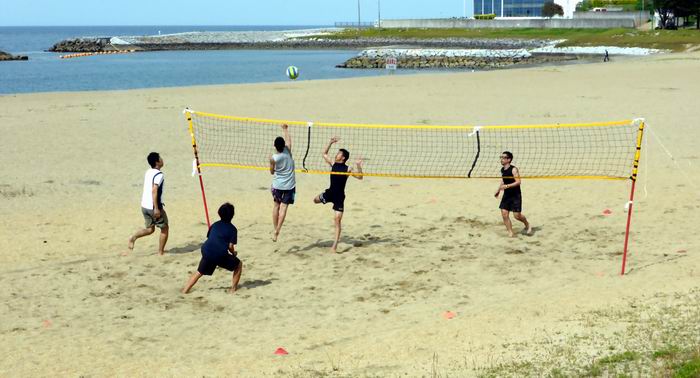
(334, 248)
(528, 231)
(275, 235)
(161, 253)
(512, 235)
(131, 243)
(232, 290)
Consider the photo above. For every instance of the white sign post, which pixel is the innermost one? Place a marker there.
(391, 64)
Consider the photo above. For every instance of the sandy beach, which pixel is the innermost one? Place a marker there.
(72, 172)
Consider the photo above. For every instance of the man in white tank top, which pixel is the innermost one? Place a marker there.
(284, 181)
(152, 208)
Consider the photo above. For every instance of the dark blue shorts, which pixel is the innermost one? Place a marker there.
(284, 196)
(208, 264)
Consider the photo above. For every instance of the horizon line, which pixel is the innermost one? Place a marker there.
(59, 26)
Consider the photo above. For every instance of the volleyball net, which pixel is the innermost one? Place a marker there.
(603, 150)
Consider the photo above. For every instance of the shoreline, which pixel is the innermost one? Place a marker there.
(411, 53)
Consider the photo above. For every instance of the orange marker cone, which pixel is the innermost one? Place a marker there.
(281, 352)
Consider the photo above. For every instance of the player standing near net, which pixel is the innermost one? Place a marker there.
(336, 192)
(152, 204)
(512, 198)
(284, 181)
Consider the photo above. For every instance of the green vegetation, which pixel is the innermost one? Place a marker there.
(551, 9)
(689, 369)
(670, 351)
(625, 5)
(489, 16)
(618, 358)
(675, 40)
(659, 340)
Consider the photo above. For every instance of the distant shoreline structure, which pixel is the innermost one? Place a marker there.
(8, 57)
(411, 53)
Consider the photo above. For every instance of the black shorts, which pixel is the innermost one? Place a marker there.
(284, 196)
(512, 203)
(338, 200)
(208, 264)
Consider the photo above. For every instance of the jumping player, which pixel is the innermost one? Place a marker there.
(336, 192)
(284, 181)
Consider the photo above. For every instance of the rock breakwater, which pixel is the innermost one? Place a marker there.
(466, 59)
(298, 39)
(5, 56)
(83, 45)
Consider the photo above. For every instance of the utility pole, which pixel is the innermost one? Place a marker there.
(379, 14)
(358, 15)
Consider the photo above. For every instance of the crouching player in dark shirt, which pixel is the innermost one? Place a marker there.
(219, 250)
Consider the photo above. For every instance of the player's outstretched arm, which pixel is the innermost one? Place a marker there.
(328, 147)
(358, 173)
(272, 166)
(287, 138)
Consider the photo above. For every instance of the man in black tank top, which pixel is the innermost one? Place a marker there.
(512, 198)
(336, 192)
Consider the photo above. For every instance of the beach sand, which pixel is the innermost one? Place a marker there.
(72, 171)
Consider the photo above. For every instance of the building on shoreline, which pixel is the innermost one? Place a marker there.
(520, 8)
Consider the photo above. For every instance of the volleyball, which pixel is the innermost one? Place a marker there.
(292, 72)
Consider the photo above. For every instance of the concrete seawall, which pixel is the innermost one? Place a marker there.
(540, 23)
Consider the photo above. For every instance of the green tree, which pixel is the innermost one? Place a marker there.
(687, 8)
(665, 9)
(550, 9)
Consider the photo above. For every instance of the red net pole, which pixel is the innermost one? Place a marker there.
(635, 169)
(204, 196)
(627, 230)
(199, 171)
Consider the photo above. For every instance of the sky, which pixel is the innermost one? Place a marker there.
(218, 12)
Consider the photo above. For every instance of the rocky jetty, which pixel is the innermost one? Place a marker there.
(321, 43)
(86, 45)
(5, 56)
(295, 39)
(466, 59)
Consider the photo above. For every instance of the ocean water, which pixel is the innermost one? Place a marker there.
(46, 72)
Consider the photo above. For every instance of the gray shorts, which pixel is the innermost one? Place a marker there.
(149, 221)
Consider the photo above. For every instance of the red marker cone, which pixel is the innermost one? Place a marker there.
(281, 352)
(448, 315)
(607, 212)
